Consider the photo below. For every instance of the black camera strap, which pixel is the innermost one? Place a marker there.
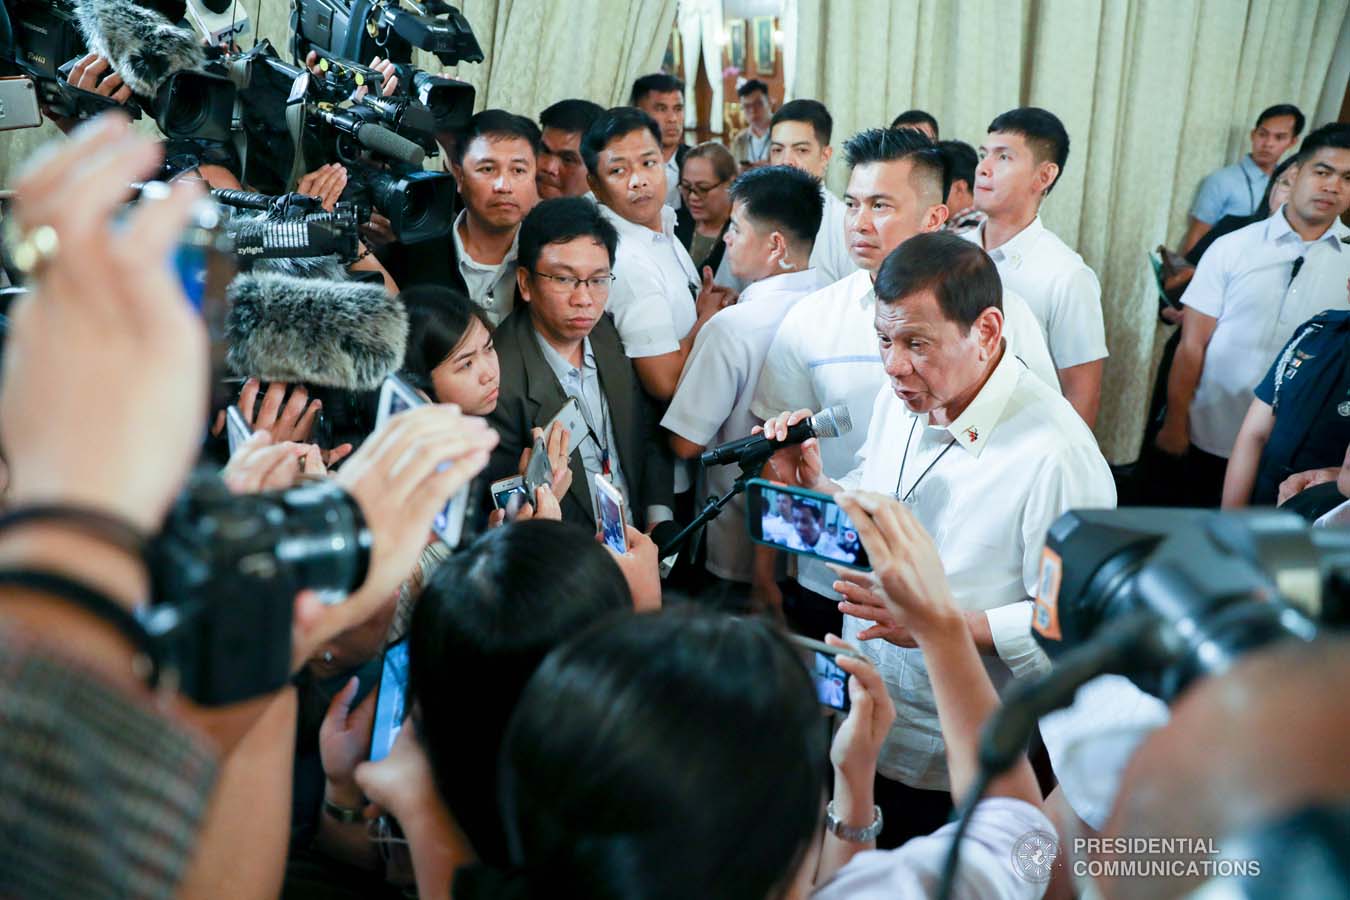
(97, 604)
(91, 522)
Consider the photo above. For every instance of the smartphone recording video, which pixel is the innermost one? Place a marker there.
(391, 700)
(397, 396)
(510, 494)
(831, 682)
(803, 522)
(609, 517)
(830, 679)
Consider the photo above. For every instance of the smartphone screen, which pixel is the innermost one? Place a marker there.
(391, 700)
(510, 494)
(804, 522)
(397, 396)
(831, 681)
(609, 515)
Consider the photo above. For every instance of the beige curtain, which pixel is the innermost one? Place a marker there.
(1154, 94)
(541, 51)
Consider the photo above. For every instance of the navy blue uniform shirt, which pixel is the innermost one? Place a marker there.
(1308, 389)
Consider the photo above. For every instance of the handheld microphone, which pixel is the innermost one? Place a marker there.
(345, 335)
(827, 423)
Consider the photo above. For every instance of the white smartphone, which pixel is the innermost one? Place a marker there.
(19, 106)
(510, 494)
(236, 429)
(609, 517)
(571, 418)
(397, 396)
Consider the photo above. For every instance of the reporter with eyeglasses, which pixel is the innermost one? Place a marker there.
(560, 345)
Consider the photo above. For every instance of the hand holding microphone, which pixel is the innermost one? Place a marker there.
(778, 432)
(790, 442)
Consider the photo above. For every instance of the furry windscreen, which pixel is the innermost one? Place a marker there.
(143, 47)
(335, 334)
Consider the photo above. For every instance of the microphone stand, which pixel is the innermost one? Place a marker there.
(751, 464)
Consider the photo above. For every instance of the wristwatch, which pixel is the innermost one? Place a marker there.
(850, 834)
(344, 814)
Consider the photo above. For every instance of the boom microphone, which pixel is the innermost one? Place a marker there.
(827, 423)
(143, 47)
(375, 137)
(345, 335)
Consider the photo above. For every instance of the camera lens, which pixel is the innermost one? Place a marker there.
(323, 538)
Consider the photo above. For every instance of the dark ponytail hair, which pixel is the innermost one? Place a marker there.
(438, 320)
(484, 622)
(661, 756)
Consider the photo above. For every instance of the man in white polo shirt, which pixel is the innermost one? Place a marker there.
(1021, 159)
(1253, 287)
(799, 136)
(661, 96)
(987, 455)
(825, 352)
(658, 301)
(775, 213)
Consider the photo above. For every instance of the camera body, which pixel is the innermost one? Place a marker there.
(225, 572)
(1198, 588)
(361, 29)
(356, 31)
(190, 104)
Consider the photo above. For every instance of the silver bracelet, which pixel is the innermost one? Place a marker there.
(850, 834)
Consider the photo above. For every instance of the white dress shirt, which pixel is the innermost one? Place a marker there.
(829, 254)
(652, 299)
(1061, 290)
(826, 354)
(986, 488)
(712, 402)
(913, 870)
(493, 287)
(1245, 281)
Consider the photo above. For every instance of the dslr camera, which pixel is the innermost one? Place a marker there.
(225, 571)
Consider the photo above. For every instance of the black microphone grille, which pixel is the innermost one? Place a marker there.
(832, 422)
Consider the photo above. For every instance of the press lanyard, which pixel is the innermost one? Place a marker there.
(601, 444)
(905, 458)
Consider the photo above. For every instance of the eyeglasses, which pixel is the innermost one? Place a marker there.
(599, 284)
(700, 190)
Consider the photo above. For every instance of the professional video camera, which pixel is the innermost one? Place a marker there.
(292, 226)
(225, 572)
(163, 65)
(347, 32)
(283, 101)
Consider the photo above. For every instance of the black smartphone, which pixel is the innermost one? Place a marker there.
(830, 679)
(804, 522)
(391, 702)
